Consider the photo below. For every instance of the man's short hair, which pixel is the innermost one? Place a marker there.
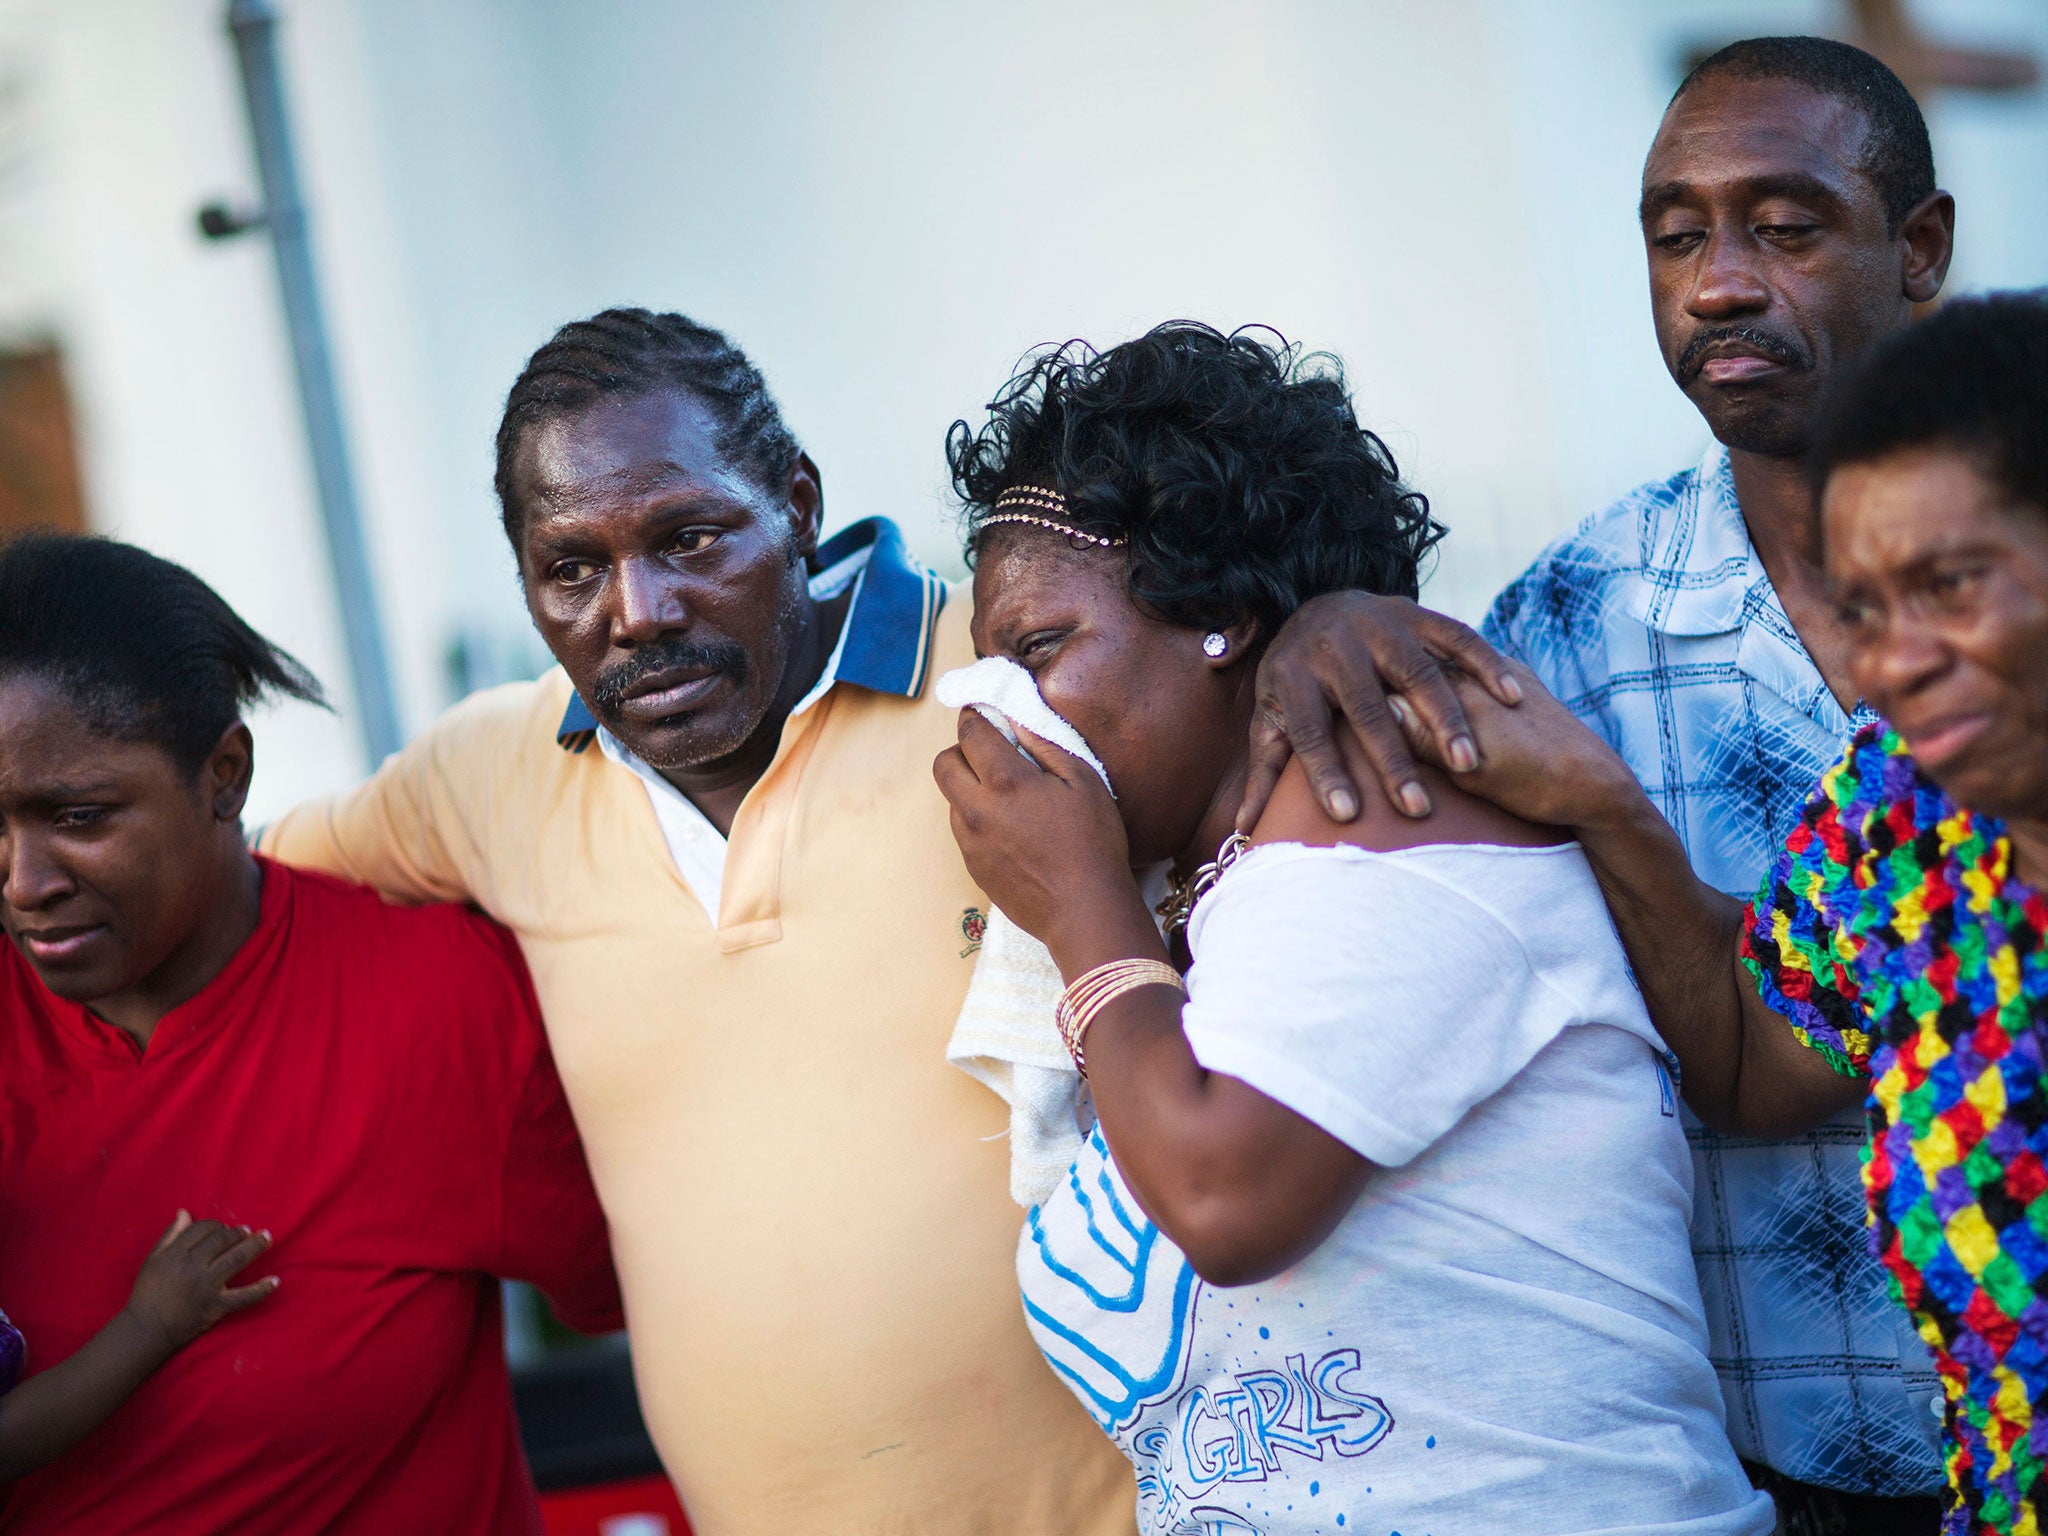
(1897, 154)
(637, 352)
(1973, 378)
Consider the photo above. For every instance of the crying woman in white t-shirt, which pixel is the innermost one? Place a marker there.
(1381, 1226)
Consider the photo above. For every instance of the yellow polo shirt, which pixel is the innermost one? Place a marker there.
(808, 1207)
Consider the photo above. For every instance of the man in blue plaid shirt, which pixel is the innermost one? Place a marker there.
(1657, 624)
(1791, 219)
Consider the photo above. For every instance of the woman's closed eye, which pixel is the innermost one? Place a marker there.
(1037, 645)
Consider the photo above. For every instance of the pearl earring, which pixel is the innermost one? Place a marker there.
(1214, 644)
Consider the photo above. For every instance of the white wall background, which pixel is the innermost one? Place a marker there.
(886, 204)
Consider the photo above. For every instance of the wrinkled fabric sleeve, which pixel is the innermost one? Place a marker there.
(500, 1184)
(1553, 619)
(1501, 628)
(1795, 937)
(1363, 993)
(411, 830)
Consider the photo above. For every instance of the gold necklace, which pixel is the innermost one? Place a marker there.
(1181, 895)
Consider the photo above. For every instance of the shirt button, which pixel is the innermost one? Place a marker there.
(1934, 1405)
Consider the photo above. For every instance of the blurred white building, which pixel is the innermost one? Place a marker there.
(886, 204)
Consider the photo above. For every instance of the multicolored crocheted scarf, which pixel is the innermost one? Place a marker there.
(1891, 933)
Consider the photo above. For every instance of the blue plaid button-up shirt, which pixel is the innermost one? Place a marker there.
(1654, 622)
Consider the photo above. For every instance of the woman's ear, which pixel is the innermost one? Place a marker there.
(229, 768)
(1228, 644)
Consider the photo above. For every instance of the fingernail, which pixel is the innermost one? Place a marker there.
(1343, 804)
(1464, 756)
(1414, 800)
(1400, 709)
(1511, 685)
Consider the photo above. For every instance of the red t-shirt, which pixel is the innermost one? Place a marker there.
(371, 1084)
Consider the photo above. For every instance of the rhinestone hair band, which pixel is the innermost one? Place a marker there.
(1044, 499)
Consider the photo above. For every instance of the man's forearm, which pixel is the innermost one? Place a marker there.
(1742, 1069)
(381, 834)
(1682, 937)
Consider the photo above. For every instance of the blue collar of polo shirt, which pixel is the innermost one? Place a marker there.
(888, 641)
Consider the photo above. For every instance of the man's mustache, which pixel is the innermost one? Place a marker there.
(674, 653)
(1782, 350)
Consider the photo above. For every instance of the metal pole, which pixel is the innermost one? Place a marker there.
(253, 25)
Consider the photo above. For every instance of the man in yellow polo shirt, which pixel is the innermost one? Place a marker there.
(714, 831)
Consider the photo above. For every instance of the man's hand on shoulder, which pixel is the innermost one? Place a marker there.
(1349, 656)
(1536, 760)
(1295, 814)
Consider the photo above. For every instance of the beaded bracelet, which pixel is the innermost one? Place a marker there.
(1084, 1001)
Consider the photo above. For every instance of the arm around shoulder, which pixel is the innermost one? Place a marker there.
(1744, 1070)
(1744, 1067)
(410, 830)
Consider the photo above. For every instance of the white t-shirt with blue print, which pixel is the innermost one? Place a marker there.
(1504, 1333)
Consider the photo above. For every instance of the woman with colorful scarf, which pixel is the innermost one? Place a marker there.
(1895, 951)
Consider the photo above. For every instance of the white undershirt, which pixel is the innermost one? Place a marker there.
(695, 845)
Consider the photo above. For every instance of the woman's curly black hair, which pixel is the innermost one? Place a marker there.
(1234, 466)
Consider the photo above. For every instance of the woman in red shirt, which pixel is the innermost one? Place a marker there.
(186, 1026)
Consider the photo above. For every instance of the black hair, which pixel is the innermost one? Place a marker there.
(637, 352)
(1234, 466)
(1974, 377)
(143, 649)
(1897, 154)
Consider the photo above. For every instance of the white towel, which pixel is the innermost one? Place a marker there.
(1005, 1035)
(1002, 692)
(1005, 1038)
